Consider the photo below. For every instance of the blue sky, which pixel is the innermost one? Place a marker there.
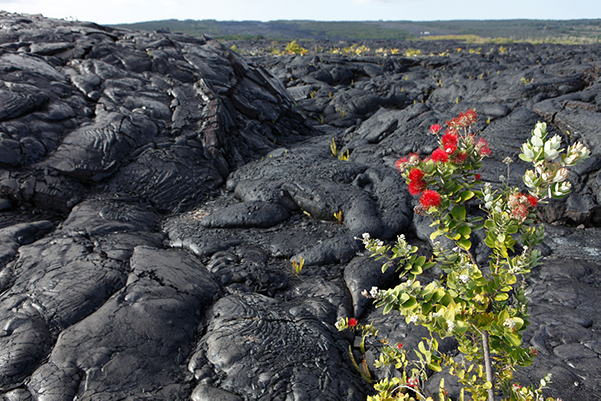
(124, 11)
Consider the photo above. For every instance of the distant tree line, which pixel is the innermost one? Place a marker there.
(518, 29)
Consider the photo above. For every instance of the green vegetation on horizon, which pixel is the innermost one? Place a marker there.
(559, 31)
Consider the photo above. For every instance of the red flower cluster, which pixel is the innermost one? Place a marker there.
(352, 322)
(440, 155)
(520, 205)
(459, 157)
(399, 345)
(416, 181)
(403, 162)
(412, 382)
(463, 120)
(430, 198)
(400, 163)
(482, 147)
(435, 128)
(449, 141)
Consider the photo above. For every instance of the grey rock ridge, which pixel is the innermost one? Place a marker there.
(156, 187)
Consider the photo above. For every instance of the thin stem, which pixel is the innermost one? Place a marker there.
(472, 258)
(487, 365)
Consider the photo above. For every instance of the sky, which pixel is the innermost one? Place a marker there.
(129, 11)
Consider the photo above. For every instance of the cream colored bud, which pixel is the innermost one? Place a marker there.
(560, 175)
(540, 129)
(528, 152)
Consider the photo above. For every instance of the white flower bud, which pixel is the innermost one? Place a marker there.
(537, 141)
(528, 152)
(560, 175)
(509, 323)
(552, 148)
(530, 179)
(559, 190)
(540, 129)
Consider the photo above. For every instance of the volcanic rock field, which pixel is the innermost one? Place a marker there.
(155, 188)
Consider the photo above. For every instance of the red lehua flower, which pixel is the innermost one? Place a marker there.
(463, 119)
(477, 177)
(399, 345)
(450, 148)
(416, 181)
(352, 322)
(413, 158)
(430, 199)
(532, 200)
(412, 382)
(450, 137)
(520, 212)
(416, 187)
(460, 157)
(416, 174)
(482, 147)
(471, 116)
(400, 163)
(440, 155)
(435, 128)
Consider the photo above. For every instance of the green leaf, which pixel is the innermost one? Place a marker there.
(501, 297)
(513, 339)
(465, 244)
(465, 231)
(466, 195)
(519, 322)
(421, 347)
(454, 237)
(458, 212)
(435, 366)
(446, 300)
(411, 303)
(489, 241)
(387, 308)
(436, 234)
(438, 294)
(416, 270)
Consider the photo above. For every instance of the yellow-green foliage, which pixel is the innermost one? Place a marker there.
(353, 49)
(294, 48)
(385, 52)
(411, 52)
(338, 216)
(298, 266)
